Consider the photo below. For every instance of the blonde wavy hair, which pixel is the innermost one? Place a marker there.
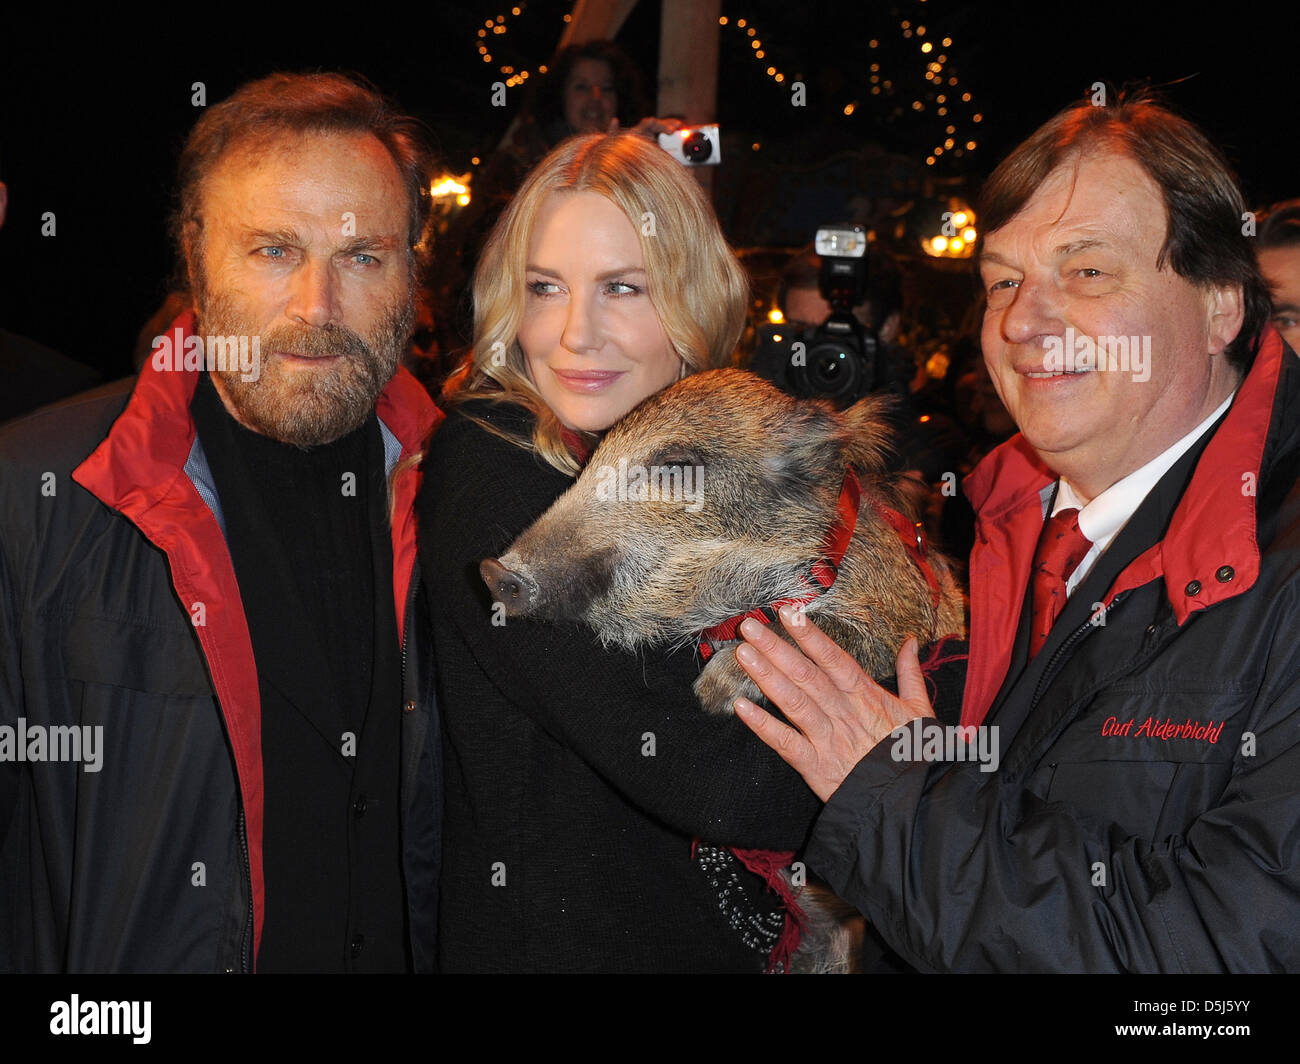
(697, 287)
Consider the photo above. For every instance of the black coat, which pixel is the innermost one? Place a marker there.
(125, 615)
(1143, 817)
(549, 786)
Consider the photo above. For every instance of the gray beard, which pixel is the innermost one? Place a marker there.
(307, 409)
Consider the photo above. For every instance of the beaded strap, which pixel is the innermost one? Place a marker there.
(748, 911)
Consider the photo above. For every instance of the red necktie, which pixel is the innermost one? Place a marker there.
(1060, 550)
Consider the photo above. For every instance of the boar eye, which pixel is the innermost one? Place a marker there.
(677, 456)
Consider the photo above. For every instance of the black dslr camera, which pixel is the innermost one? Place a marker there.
(840, 359)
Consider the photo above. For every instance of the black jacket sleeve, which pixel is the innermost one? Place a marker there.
(962, 871)
(633, 719)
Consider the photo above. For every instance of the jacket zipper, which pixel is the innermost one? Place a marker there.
(248, 879)
(1049, 673)
(402, 752)
(406, 624)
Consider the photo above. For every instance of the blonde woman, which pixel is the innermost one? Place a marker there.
(579, 778)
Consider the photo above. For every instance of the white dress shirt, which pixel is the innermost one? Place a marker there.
(1102, 518)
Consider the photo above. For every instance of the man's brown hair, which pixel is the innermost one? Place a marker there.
(1204, 243)
(1279, 225)
(297, 104)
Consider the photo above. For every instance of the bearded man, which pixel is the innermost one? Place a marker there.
(221, 752)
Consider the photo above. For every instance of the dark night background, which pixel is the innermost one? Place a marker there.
(93, 108)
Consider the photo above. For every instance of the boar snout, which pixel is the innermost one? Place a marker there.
(513, 590)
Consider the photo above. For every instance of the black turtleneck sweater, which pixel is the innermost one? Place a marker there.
(310, 544)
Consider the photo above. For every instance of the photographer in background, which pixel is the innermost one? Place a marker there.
(844, 367)
(841, 310)
(802, 303)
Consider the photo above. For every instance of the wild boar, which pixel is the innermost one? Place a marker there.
(723, 495)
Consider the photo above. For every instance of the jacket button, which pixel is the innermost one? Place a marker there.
(358, 942)
(1224, 573)
(1193, 587)
(359, 807)
(409, 705)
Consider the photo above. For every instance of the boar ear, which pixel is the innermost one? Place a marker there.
(870, 432)
(809, 443)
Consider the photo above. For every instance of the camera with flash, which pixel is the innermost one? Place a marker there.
(693, 145)
(840, 359)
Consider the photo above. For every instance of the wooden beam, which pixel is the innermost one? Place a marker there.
(688, 65)
(595, 20)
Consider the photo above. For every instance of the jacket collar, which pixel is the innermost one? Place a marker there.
(134, 465)
(154, 442)
(1209, 554)
(1215, 523)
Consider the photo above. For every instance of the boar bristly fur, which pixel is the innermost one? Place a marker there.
(712, 498)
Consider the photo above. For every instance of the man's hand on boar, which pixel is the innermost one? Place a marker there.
(839, 713)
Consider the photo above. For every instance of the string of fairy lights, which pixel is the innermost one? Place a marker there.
(750, 32)
(498, 27)
(941, 93)
(942, 90)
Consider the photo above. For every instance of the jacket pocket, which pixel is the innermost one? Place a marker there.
(143, 833)
(1131, 794)
(161, 660)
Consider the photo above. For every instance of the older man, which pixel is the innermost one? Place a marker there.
(219, 749)
(1134, 659)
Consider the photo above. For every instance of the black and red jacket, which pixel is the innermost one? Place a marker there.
(1142, 816)
(121, 610)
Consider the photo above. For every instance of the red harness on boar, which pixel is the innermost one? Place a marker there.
(821, 574)
(819, 579)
